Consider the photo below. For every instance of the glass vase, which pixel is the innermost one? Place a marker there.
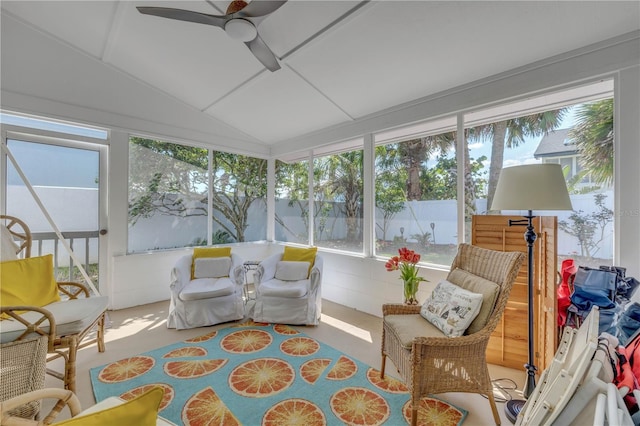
(410, 290)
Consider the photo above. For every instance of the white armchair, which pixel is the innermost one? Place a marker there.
(211, 299)
(283, 296)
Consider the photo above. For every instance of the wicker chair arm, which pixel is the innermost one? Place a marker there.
(72, 289)
(400, 309)
(64, 397)
(31, 327)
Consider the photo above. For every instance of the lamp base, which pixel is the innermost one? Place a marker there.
(512, 408)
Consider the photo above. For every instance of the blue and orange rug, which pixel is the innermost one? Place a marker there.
(262, 374)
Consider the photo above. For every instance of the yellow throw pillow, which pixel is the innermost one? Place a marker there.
(140, 411)
(28, 282)
(300, 254)
(199, 252)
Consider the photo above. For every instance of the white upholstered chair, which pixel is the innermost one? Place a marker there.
(212, 296)
(286, 294)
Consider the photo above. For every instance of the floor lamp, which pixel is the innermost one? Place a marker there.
(530, 187)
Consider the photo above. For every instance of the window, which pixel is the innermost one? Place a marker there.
(169, 194)
(168, 186)
(416, 194)
(292, 202)
(338, 186)
(586, 233)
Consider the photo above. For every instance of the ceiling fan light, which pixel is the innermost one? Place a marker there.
(240, 29)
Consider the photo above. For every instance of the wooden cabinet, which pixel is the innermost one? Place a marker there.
(508, 345)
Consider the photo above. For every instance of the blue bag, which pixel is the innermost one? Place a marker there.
(594, 287)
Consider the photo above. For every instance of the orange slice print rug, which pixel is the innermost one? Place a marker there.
(261, 374)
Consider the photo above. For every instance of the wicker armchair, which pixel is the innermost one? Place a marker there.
(67, 324)
(22, 369)
(427, 360)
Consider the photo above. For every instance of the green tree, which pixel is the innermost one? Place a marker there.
(593, 135)
(511, 133)
(390, 196)
(175, 183)
(589, 229)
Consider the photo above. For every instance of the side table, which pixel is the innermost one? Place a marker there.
(249, 265)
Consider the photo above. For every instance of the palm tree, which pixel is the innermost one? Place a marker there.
(593, 135)
(414, 153)
(511, 133)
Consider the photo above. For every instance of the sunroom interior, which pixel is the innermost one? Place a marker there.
(354, 77)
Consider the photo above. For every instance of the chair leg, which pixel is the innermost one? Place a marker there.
(494, 409)
(70, 366)
(414, 416)
(100, 338)
(384, 359)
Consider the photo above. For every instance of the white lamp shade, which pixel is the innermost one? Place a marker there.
(532, 187)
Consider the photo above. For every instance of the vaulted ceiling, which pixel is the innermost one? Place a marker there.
(340, 60)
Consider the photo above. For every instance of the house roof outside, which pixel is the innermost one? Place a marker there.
(556, 144)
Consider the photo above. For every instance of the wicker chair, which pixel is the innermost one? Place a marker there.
(67, 324)
(427, 360)
(22, 369)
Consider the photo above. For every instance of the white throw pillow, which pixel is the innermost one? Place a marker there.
(290, 270)
(8, 247)
(211, 267)
(451, 308)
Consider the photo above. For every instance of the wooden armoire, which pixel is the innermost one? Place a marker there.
(508, 345)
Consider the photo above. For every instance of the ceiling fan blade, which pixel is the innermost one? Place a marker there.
(261, 51)
(184, 15)
(260, 8)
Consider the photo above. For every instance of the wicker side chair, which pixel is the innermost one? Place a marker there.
(427, 360)
(22, 370)
(78, 320)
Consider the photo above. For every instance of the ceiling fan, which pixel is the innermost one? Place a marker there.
(240, 23)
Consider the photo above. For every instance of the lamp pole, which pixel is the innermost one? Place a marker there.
(514, 406)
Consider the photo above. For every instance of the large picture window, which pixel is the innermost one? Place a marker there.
(416, 193)
(338, 187)
(292, 202)
(169, 194)
(579, 137)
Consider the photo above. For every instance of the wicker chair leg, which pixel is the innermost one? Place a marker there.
(70, 367)
(384, 359)
(414, 416)
(494, 409)
(100, 339)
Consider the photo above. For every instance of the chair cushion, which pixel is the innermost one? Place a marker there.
(476, 284)
(300, 254)
(141, 411)
(207, 288)
(292, 270)
(407, 327)
(72, 317)
(8, 248)
(211, 267)
(279, 288)
(199, 252)
(451, 308)
(28, 282)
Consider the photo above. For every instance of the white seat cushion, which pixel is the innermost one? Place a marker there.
(72, 317)
(279, 288)
(206, 288)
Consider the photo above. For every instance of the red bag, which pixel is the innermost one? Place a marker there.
(628, 373)
(568, 271)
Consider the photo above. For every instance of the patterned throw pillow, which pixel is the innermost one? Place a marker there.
(451, 308)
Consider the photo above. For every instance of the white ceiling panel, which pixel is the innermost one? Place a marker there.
(395, 52)
(298, 21)
(277, 106)
(84, 25)
(193, 62)
(342, 60)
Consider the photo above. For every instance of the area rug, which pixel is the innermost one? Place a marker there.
(261, 374)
